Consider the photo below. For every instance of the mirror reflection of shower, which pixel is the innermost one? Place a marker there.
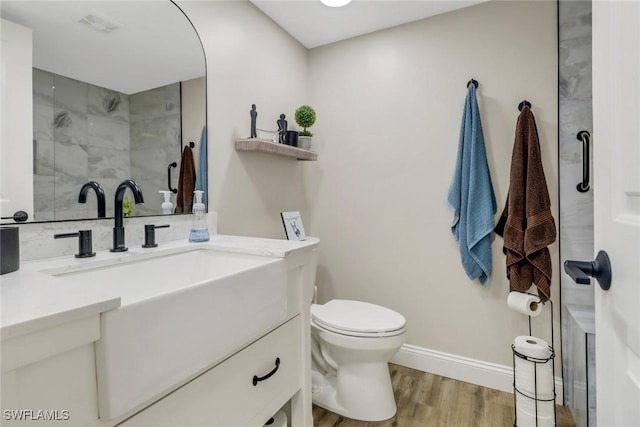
(83, 132)
(97, 93)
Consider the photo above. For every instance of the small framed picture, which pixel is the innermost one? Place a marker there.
(293, 225)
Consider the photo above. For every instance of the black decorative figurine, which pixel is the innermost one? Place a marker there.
(254, 114)
(282, 129)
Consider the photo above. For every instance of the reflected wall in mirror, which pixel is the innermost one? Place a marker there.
(114, 95)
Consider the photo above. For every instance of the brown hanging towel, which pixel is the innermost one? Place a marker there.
(186, 182)
(526, 223)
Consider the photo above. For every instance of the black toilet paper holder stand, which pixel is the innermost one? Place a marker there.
(537, 362)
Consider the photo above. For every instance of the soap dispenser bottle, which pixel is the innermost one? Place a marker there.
(167, 206)
(199, 230)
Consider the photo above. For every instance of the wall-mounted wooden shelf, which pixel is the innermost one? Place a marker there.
(266, 146)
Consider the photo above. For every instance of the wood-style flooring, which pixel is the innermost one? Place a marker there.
(427, 400)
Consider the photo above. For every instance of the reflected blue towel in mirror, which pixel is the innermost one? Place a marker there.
(201, 177)
(471, 195)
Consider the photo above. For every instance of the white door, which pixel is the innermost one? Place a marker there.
(16, 118)
(616, 189)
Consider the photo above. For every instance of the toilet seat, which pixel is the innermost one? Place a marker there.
(358, 319)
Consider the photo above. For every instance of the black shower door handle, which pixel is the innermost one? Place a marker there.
(171, 165)
(584, 136)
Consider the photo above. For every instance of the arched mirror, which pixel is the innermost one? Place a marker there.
(118, 90)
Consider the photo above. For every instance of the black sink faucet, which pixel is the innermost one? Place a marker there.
(118, 228)
(82, 197)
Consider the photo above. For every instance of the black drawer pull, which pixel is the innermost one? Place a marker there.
(257, 379)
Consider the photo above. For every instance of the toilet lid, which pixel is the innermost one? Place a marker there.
(357, 316)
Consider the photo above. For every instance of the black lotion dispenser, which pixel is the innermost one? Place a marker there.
(9, 249)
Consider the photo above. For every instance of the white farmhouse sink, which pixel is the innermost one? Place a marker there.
(180, 314)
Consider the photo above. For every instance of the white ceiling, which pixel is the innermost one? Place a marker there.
(314, 24)
(155, 45)
(167, 48)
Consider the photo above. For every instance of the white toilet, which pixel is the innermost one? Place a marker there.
(351, 344)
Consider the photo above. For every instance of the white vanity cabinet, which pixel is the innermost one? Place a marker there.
(225, 395)
(52, 329)
(230, 393)
(48, 376)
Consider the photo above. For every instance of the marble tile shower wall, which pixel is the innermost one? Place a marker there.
(155, 143)
(81, 133)
(576, 209)
(84, 132)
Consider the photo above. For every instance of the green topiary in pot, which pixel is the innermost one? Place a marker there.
(305, 118)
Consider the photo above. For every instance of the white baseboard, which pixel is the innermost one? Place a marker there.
(479, 372)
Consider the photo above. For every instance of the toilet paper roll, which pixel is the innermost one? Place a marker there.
(524, 303)
(532, 347)
(531, 378)
(526, 412)
(538, 384)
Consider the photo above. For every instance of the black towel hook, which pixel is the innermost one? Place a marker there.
(523, 104)
(474, 81)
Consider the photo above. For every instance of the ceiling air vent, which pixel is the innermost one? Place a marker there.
(99, 24)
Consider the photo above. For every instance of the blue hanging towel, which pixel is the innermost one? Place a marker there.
(471, 195)
(201, 177)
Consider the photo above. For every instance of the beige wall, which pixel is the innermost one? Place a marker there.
(389, 106)
(250, 60)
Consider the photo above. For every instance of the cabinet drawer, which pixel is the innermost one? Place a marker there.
(225, 396)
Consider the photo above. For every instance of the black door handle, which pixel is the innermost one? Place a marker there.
(256, 378)
(600, 268)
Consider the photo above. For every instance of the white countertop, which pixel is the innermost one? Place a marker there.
(32, 298)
